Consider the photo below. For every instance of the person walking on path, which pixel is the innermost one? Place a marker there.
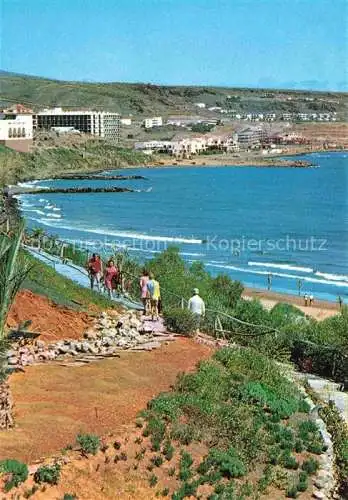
(94, 268)
(197, 307)
(110, 277)
(144, 293)
(155, 295)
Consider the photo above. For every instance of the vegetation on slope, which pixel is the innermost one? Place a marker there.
(236, 428)
(144, 98)
(51, 162)
(44, 280)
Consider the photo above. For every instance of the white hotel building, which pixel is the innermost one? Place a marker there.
(16, 128)
(99, 123)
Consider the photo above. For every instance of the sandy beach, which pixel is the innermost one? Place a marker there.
(321, 309)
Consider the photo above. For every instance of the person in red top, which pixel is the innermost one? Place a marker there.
(95, 270)
(111, 277)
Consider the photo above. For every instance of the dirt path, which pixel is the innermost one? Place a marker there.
(54, 403)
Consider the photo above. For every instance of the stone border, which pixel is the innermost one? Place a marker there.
(325, 481)
(6, 406)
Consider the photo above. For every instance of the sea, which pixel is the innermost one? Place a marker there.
(283, 228)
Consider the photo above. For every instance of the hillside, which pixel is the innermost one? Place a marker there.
(145, 99)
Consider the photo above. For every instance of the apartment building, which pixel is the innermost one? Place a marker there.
(99, 123)
(155, 121)
(16, 128)
(251, 137)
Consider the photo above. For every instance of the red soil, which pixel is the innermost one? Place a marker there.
(50, 320)
(54, 403)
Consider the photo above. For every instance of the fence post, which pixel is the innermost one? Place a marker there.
(182, 303)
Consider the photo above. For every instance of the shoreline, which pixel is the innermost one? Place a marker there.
(278, 161)
(296, 300)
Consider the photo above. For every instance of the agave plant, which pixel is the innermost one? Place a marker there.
(13, 270)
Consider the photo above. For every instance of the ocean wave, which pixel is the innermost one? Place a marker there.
(123, 234)
(274, 265)
(334, 277)
(48, 207)
(56, 209)
(55, 216)
(281, 275)
(35, 210)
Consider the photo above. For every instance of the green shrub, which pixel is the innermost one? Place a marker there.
(226, 462)
(68, 496)
(153, 480)
(180, 321)
(288, 461)
(168, 450)
(310, 466)
(157, 461)
(17, 470)
(291, 492)
(302, 484)
(89, 443)
(47, 474)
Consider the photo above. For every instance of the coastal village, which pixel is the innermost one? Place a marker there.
(185, 136)
(105, 395)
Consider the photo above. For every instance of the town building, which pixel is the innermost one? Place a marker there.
(16, 128)
(126, 122)
(200, 104)
(99, 123)
(156, 121)
(251, 137)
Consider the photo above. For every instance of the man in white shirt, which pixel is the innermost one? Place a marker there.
(197, 307)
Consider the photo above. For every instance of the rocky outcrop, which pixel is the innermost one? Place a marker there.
(6, 405)
(102, 177)
(108, 335)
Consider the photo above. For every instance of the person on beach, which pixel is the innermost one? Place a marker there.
(144, 293)
(94, 268)
(197, 307)
(311, 299)
(110, 277)
(153, 288)
(305, 297)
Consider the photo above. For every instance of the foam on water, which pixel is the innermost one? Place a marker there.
(276, 265)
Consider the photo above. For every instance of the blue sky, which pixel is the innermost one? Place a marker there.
(269, 43)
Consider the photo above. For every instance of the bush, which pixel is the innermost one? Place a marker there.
(180, 321)
(226, 462)
(310, 466)
(47, 474)
(68, 496)
(89, 443)
(17, 470)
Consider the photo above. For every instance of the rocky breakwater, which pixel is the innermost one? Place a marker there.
(6, 420)
(108, 335)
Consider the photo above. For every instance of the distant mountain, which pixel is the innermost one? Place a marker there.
(148, 99)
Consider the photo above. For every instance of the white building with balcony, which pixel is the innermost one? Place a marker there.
(155, 121)
(103, 124)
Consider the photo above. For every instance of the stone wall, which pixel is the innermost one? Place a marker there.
(6, 405)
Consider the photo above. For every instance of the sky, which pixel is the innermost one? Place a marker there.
(257, 43)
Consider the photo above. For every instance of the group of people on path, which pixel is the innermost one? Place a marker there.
(151, 298)
(112, 280)
(110, 276)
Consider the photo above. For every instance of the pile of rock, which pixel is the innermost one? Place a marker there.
(106, 337)
(6, 420)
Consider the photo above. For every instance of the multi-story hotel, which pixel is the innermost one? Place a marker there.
(100, 123)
